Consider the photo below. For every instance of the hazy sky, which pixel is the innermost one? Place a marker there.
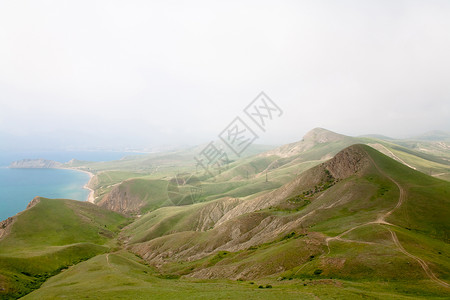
(140, 73)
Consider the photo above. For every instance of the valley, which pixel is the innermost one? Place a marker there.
(330, 216)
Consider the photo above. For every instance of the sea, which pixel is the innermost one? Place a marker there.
(19, 186)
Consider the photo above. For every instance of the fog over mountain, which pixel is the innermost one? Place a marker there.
(137, 73)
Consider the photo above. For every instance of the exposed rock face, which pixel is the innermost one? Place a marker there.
(33, 202)
(5, 226)
(201, 220)
(121, 200)
(214, 211)
(35, 164)
(239, 225)
(348, 162)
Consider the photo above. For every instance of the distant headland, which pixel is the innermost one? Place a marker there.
(36, 164)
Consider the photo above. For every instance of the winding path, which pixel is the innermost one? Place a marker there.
(422, 263)
(382, 220)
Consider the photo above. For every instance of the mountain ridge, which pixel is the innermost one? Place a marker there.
(232, 233)
(357, 216)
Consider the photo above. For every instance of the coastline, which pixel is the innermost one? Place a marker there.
(19, 205)
(90, 197)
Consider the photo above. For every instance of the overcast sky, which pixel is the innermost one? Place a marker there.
(141, 73)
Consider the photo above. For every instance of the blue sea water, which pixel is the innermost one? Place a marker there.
(19, 186)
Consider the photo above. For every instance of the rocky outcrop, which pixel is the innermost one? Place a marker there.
(212, 212)
(348, 162)
(121, 200)
(35, 164)
(5, 226)
(33, 202)
(243, 224)
(201, 218)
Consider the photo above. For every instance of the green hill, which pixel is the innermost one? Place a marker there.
(324, 217)
(137, 193)
(132, 192)
(124, 276)
(51, 235)
(360, 225)
(354, 194)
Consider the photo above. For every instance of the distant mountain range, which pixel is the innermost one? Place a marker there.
(435, 135)
(327, 216)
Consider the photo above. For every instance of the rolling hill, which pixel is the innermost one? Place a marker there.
(49, 236)
(353, 193)
(328, 216)
(358, 225)
(137, 193)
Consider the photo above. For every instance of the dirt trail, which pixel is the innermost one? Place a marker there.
(107, 260)
(382, 220)
(381, 147)
(422, 263)
(401, 197)
(440, 174)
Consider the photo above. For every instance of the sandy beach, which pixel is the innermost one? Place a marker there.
(91, 197)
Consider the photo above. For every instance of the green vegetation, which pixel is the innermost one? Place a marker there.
(51, 236)
(121, 275)
(308, 231)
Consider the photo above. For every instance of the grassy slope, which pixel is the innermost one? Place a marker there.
(103, 182)
(149, 193)
(420, 234)
(51, 236)
(123, 276)
(156, 166)
(423, 220)
(242, 178)
(366, 197)
(422, 156)
(246, 176)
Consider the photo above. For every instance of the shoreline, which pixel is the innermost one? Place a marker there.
(90, 197)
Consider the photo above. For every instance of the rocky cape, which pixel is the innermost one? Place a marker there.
(35, 164)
